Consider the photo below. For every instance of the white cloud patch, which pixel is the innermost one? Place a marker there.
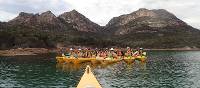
(101, 11)
(9, 8)
(5, 16)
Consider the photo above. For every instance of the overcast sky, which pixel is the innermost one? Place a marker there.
(101, 11)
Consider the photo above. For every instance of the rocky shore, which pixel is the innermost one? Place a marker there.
(24, 51)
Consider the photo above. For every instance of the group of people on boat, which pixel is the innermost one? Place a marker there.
(111, 53)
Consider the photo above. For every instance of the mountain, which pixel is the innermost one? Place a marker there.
(156, 28)
(43, 21)
(142, 20)
(46, 30)
(48, 20)
(79, 21)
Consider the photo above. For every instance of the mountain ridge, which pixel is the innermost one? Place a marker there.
(81, 22)
(156, 18)
(155, 28)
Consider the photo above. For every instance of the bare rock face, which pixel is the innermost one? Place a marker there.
(24, 18)
(43, 21)
(47, 17)
(79, 21)
(48, 21)
(143, 18)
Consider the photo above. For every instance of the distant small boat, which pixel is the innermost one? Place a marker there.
(88, 80)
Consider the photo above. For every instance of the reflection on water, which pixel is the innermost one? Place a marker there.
(168, 69)
(68, 67)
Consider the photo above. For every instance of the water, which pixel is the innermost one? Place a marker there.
(166, 69)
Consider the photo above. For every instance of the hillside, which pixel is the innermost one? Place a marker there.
(152, 29)
(155, 28)
(44, 30)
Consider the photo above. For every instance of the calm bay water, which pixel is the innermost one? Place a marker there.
(166, 69)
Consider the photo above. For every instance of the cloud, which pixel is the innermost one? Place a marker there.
(101, 11)
(5, 16)
(10, 8)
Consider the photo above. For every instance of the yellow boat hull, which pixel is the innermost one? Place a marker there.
(98, 60)
(95, 61)
(88, 80)
(60, 59)
(129, 59)
(73, 60)
(141, 58)
(109, 61)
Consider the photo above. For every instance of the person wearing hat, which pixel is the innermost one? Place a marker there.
(111, 49)
(136, 53)
(71, 52)
(112, 53)
(71, 49)
(67, 54)
(128, 53)
(80, 53)
(141, 52)
(115, 55)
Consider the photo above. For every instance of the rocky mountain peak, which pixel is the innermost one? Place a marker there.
(23, 18)
(143, 9)
(143, 12)
(74, 12)
(81, 23)
(47, 17)
(24, 14)
(153, 13)
(45, 20)
(47, 14)
(156, 18)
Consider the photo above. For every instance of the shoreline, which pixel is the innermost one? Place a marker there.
(25, 51)
(37, 51)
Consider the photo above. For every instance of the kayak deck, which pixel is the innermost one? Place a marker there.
(88, 80)
(98, 60)
(73, 60)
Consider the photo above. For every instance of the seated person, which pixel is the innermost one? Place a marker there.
(128, 52)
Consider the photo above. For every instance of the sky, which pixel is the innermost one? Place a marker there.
(101, 11)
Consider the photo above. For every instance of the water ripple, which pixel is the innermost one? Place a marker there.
(166, 69)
